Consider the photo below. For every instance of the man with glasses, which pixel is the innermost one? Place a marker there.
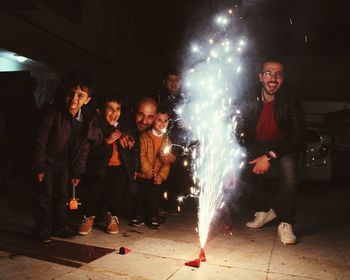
(273, 128)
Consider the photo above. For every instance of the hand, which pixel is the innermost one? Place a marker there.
(126, 141)
(157, 180)
(40, 177)
(261, 165)
(75, 182)
(167, 158)
(113, 137)
(149, 173)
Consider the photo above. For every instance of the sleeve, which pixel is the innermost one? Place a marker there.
(164, 168)
(144, 146)
(42, 141)
(296, 128)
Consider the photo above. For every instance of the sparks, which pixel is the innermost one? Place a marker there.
(208, 113)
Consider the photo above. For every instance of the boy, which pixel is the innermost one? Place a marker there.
(152, 143)
(60, 154)
(107, 175)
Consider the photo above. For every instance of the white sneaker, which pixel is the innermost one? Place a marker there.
(261, 218)
(285, 232)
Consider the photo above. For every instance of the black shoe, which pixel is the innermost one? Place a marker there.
(64, 232)
(154, 223)
(136, 222)
(44, 235)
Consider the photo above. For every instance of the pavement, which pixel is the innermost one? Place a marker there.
(323, 251)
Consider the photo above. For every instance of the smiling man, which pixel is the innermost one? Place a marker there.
(273, 129)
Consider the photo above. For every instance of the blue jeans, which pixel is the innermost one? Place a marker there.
(285, 169)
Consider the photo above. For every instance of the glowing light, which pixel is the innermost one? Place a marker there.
(166, 149)
(208, 111)
(165, 195)
(185, 163)
(20, 58)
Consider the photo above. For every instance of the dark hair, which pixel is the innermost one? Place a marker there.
(77, 79)
(273, 59)
(171, 70)
(107, 97)
(163, 110)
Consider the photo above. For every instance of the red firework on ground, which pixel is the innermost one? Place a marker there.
(197, 262)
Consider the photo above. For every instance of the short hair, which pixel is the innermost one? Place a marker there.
(77, 79)
(273, 59)
(161, 109)
(171, 70)
(146, 99)
(107, 97)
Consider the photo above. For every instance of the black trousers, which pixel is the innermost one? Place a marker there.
(106, 188)
(285, 170)
(147, 199)
(50, 198)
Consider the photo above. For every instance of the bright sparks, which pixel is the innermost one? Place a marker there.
(208, 114)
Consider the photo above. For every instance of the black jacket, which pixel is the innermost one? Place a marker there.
(54, 143)
(289, 114)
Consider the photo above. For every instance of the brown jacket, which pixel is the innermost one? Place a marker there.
(150, 158)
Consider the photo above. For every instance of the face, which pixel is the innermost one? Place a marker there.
(271, 77)
(172, 83)
(112, 112)
(145, 115)
(77, 98)
(161, 123)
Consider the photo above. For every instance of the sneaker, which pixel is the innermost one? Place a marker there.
(137, 221)
(112, 223)
(64, 232)
(154, 223)
(261, 218)
(285, 232)
(44, 235)
(173, 213)
(86, 225)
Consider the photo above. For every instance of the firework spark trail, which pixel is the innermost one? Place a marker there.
(208, 115)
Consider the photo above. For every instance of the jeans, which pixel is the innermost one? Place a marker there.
(285, 168)
(109, 187)
(50, 198)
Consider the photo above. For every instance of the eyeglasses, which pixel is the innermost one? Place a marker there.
(270, 74)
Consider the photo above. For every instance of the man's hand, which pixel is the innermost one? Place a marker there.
(157, 180)
(114, 136)
(75, 182)
(167, 158)
(40, 177)
(126, 141)
(261, 165)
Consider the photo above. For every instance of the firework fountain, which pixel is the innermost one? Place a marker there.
(210, 116)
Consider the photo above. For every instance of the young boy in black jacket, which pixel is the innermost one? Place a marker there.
(61, 150)
(107, 176)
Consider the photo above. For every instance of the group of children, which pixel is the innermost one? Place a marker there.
(74, 143)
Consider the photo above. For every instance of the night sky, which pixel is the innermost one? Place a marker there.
(273, 27)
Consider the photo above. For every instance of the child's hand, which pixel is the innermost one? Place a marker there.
(40, 177)
(167, 158)
(75, 182)
(126, 141)
(149, 173)
(157, 180)
(113, 137)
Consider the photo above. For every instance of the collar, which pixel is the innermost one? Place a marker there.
(79, 116)
(155, 133)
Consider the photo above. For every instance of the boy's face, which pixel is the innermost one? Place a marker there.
(161, 123)
(172, 83)
(77, 98)
(112, 112)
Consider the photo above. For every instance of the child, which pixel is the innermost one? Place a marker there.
(152, 143)
(60, 154)
(107, 176)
